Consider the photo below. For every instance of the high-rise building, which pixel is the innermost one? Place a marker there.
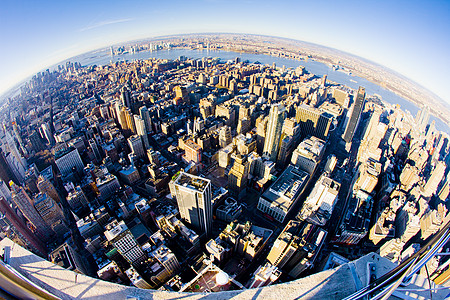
(46, 187)
(47, 133)
(6, 173)
(355, 221)
(354, 115)
(238, 176)
(118, 234)
(141, 130)
(125, 96)
(422, 118)
(313, 121)
(273, 134)
(51, 213)
(308, 154)
(436, 176)
(145, 115)
(65, 256)
(36, 141)
(225, 136)
(297, 247)
(25, 204)
(20, 228)
(69, 161)
(319, 205)
(282, 195)
(193, 152)
(136, 146)
(193, 196)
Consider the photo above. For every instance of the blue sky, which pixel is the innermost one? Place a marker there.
(410, 37)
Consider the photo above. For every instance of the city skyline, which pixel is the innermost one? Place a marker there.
(387, 33)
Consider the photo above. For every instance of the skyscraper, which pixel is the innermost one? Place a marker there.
(193, 196)
(141, 130)
(136, 146)
(125, 96)
(313, 121)
(45, 186)
(25, 204)
(354, 115)
(143, 111)
(21, 228)
(51, 213)
(273, 133)
(422, 118)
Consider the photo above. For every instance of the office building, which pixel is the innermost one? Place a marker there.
(355, 221)
(264, 276)
(422, 118)
(308, 154)
(65, 256)
(193, 196)
(19, 227)
(118, 234)
(366, 177)
(320, 203)
(435, 178)
(238, 177)
(141, 130)
(125, 97)
(77, 199)
(136, 146)
(225, 136)
(69, 161)
(145, 115)
(313, 121)
(51, 213)
(297, 247)
(46, 187)
(274, 130)
(282, 195)
(355, 115)
(25, 204)
(193, 152)
(6, 173)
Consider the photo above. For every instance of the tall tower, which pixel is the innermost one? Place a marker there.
(125, 96)
(46, 187)
(145, 115)
(51, 213)
(355, 114)
(273, 134)
(193, 196)
(422, 118)
(141, 130)
(21, 228)
(25, 204)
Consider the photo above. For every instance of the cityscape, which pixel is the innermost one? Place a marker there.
(207, 175)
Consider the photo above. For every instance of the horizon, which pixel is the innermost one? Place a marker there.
(386, 33)
(13, 89)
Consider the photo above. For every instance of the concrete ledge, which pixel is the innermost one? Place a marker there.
(331, 284)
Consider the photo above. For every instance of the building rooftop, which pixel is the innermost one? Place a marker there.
(114, 229)
(285, 190)
(193, 182)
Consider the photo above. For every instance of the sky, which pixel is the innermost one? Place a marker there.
(410, 37)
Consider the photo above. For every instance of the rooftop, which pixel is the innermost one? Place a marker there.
(192, 182)
(285, 190)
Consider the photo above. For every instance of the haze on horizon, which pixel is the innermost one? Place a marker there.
(406, 36)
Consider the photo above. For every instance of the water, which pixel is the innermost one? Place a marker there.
(103, 57)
